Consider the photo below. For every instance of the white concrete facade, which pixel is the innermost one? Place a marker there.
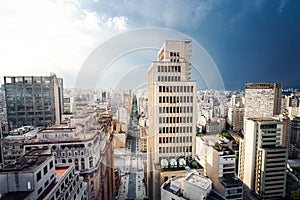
(172, 103)
(191, 186)
(263, 159)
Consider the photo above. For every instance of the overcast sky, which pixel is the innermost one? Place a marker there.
(249, 41)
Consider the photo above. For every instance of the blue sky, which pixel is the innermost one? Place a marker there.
(250, 41)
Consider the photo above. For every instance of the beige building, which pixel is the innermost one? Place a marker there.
(262, 161)
(219, 162)
(262, 100)
(236, 117)
(172, 110)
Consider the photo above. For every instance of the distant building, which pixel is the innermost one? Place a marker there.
(172, 110)
(68, 105)
(295, 138)
(187, 186)
(13, 145)
(33, 100)
(35, 176)
(263, 160)
(235, 118)
(262, 100)
(144, 136)
(293, 108)
(215, 125)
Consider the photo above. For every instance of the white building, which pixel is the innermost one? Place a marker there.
(189, 186)
(262, 161)
(172, 106)
(35, 176)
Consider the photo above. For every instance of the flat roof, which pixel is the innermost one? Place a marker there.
(28, 162)
(260, 119)
(231, 181)
(262, 85)
(199, 181)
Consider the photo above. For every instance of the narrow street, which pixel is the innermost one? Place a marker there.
(132, 186)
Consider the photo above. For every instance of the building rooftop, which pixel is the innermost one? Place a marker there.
(57, 128)
(230, 181)
(262, 85)
(178, 183)
(223, 147)
(28, 162)
(198, 181)
(60, 171)
(263, 119)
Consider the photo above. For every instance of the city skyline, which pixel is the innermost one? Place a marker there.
(260, 38)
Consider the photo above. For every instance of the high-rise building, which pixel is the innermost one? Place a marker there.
(262, 100)
(262, 161)
(33, 100)
(172, 110)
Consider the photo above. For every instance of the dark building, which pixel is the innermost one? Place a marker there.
(33, 100)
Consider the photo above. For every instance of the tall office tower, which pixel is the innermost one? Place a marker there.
(262, 162)
(33, 100)
(262, 100)
(172, 111)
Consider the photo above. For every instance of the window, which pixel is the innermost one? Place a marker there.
(38, 176)
(45, 169)
(57, 194)
(51, 165)
(46, 183)
(28, 185)
(40, 190)
(91, 161)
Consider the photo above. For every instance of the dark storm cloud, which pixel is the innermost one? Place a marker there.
(249, 41)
